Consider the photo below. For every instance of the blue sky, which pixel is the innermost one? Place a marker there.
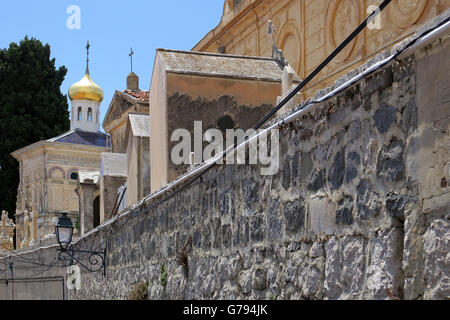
(112, 27)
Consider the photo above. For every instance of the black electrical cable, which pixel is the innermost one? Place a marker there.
(24, 259)
(26, 268)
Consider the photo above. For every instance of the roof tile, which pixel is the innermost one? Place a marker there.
(139, 94)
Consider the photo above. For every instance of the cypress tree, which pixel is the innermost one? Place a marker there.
(32, 107)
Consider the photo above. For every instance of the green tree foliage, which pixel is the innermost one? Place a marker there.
(32, 107)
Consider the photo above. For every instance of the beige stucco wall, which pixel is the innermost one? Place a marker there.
(309, 30)
(138, 165)
(46, 188)
(113, 176)
(246, 92)
(158, 127)
(132, 167)
(117, 133)
(116, 117)
(202, 98)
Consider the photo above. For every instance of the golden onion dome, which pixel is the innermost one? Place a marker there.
(86, 89)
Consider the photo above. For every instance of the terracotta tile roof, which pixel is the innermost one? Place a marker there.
(139, 94)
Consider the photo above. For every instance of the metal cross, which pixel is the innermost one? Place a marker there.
(87, 59)
(87, 49)
(131, 56)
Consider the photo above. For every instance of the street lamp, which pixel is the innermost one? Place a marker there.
(64, 233)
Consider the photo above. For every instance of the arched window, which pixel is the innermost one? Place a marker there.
(80, 114)
(89, 115)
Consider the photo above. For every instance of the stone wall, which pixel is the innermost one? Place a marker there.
(348, 216)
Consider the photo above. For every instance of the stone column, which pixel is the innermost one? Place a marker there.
(18, 230)
(18, 236)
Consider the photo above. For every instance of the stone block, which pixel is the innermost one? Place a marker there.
(344, 213)
(245, 282)
(333, 269)
(390, 164)
(437, 264)
(294, 214)
(352, 274)
(337, 171)
(317, 180)
(353, 164)
(384, 117)
(367, 202)
(321, 216)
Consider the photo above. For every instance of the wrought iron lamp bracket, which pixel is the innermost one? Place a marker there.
(96, 259)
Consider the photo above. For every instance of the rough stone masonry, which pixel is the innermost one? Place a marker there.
(359, 209)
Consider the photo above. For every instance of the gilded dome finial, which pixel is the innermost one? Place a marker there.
(86, 88)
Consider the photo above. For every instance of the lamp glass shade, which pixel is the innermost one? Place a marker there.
(64, 230)
(64, 235)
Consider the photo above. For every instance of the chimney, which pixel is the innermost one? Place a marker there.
(132, 81)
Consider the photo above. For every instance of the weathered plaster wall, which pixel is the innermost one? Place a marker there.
(308, 31)
(426, 259)
(87, 192)
(158, 126)
(206, 99)
(47, 188)
(349, 215)
(115, 121)
(138, 162)
(145, 167)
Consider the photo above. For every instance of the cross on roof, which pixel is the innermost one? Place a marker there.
(131, 57)
(87, 59)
